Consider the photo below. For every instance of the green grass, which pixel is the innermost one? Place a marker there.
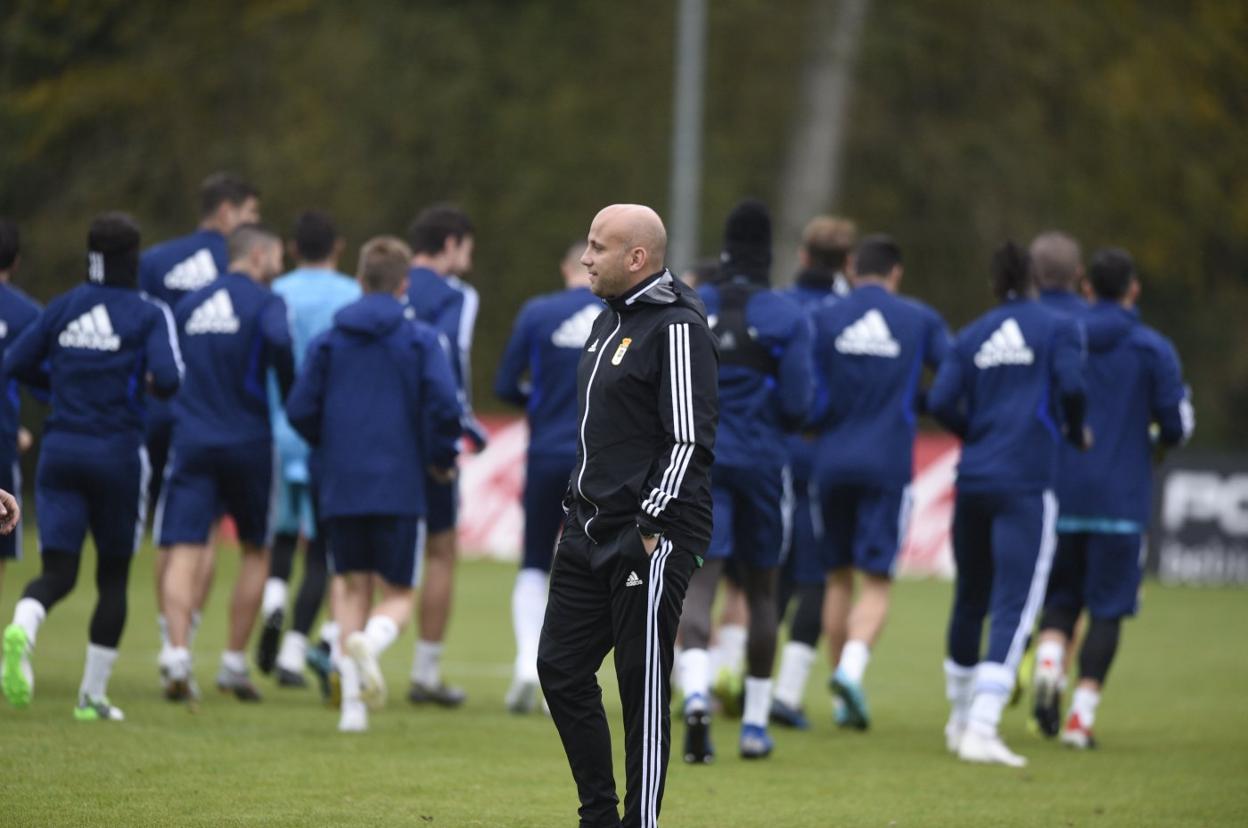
(1174, 730)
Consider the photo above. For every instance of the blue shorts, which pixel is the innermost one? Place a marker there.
(203, 483)
(752, 518)
(863, 527)
(11, 482)
(1098, 571)
(295, 515)
(441, 504)
(804, 566)
(389, 546)
(104, 492)
(545, 483)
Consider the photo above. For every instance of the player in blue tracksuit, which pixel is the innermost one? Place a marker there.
(826, 243)
(1136, 401)
(17, 311)
(538, 372)
(378, 399)
(232, 333)
(168, 271)
(1011, 388)
(764, 391)
(870, 351)
(313, 293)
(441, 239)
(98, 347)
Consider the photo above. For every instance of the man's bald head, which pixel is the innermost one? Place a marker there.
(627, 243)
(1056, 261)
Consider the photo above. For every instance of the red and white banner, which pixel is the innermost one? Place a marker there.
(491, 520)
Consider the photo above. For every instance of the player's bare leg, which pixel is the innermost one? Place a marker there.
(178, 594)
(244, 608)
(435, 612)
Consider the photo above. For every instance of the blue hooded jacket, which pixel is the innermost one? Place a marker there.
(546, 343)
(1012, 375)
(1134, 380)
(96, 345)
(232, 332)
(870, 349)
(757, 409)
(378, 399)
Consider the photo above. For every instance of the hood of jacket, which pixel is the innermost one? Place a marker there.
(1107, 324)
(375, 315)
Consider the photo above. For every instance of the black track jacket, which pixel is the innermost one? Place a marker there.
(647, 392)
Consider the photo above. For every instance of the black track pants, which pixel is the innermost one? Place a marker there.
(603, 596)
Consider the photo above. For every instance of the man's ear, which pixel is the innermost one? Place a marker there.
(403, 286)
(637, 259)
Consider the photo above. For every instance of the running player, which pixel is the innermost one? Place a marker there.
(870, 351)
(313, 292)
(538, 371)
(378, 399)
(98, 347)
(826, 242)
(169, 271)
(233, 332)
(441, 239)
(1134, 385)
(764, 390)
(17, 311)
(1011, 378)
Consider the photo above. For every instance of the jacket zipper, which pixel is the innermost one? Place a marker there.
(589, 388)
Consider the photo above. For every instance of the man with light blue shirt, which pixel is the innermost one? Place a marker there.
(313, 292)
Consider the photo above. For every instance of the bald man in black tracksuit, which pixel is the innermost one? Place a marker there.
(639, 514)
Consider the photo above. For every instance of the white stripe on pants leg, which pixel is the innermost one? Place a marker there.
(652, 712)
(1039, 581)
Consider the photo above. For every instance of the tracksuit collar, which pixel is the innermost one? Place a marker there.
(658, 289)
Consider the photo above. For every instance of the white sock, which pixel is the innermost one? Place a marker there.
(349, 680)
(854, 658)
(959, 690)
(164, 631)
(427, 663)
(730, 649)
(294, 649)
(95, 675)
(179, 663)
(1050, 655)
(234, 660)
(695, 677)
(528, 610)
(795, 662)
(29, 614)
(993, 685)
(757, 701)
(196, 617)
(330, 635)
(380, 632)
(274, 597)
(1084, 705)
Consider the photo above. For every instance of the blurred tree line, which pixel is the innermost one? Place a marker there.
(1124, 122)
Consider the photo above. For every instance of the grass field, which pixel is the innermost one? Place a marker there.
(1174, 730)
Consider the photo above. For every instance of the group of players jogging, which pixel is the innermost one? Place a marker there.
(319, 409)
